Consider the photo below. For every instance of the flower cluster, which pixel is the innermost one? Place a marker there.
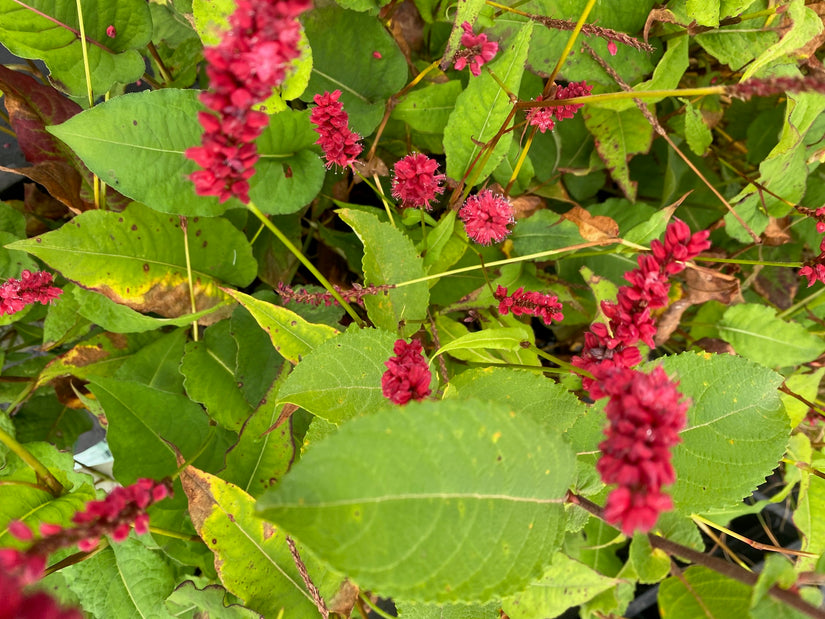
(408, 374)
(339, 142)
(415, 181)
(486, 216)
(814, 270)
(544, 118)
(645, 414)
(15, 294)
(630, 319)
(250, 61)
(545, 306)
(477, 49)
(114, 515)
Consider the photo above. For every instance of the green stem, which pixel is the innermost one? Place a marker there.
(85, 50)
(569, 45)
(742, 261)
(800, 304)
(627, 94)
(476, 267)
(563, 365)
(174, 534)
(185, 227)
(54, 487)
(303, 259)
(373, 607)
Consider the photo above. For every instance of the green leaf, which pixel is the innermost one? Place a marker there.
(495, 339)
(45, 418)
(705, 12)
(427, 110)
(526, 393)
(806, 26)
(736, 433)
(482, 108)
(365, 81)
(390, 258)
(209, 370)
(27, 31)
(806, 385)
(137, 258)
(619, 136)
(431, 479)
(341, 378)
(257, 362)
(209, 601)
(263, 453)
(650, 564)
(251, 557)
(808, 514)
(156, 365)
(699, 591)
(145, 424)
(412, 610)
(291, 335)
(126, 579)
(565, 584)
(757, 333)
(136, 143)
(697, 132)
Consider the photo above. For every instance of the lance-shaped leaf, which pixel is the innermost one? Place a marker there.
(488, 339)
(251, 556)
(137, 258)
(390, 258)
(446, 501)
(291, 335)
(136, 143)
(481, 110)
(737, 429)
(342, 377)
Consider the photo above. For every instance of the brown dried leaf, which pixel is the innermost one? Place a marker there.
(778, 285)
(776, 232)
(374, 166)
(593, 228)
(60, 179)
(344, 600)
(525, 206)
(715, 345)
(669, 320)
(704, 284)
(658, 15)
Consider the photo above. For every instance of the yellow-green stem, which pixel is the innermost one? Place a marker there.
(303, 259)
(763, 263)
(54, 487)
(85, 50)
(521, 158)
(563, 365)
(629, 94)
(476, 267)
(384, 201)
(373, 607)
(185, 227)
(800, 304)
(569, 46)
(174, 534)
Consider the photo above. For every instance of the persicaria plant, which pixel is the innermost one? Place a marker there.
(369, 308)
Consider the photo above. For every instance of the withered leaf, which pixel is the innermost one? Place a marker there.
(593, 228)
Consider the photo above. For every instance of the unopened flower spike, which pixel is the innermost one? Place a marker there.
(477, 51)
(408, 374)
(520, 303)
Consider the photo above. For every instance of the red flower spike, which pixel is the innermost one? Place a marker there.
(573, 89)
(545, 306)
(477, 48)
(486, 216)
(415, 181)
(251, 60)
(15, 294)
(541, 118)
(645, 414)
(408, 374)
(339, 143)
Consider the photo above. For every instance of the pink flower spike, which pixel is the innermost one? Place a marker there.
(612, 48)
(408, 374)
(486, 216)
(339, 143)
(541, 118)
(20, 530)
(415, 181)
(545, 306)
(15, 294)
(477, 48)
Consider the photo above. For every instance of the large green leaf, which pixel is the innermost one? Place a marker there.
(137, 258)
(699, 591)
(619, 136)
(27, 31)
(209, 602)
(257, 362)
(209, 370)
(736, 433)
(565, 584)
(367, 70)
(291, 335)
(526, 393)
(342, 377)
(147, 426)
(460, 500)
(124, 580)
(482, 108)
(136, 144)
(45, 418)
(428, 109)
(251, 557)
(390, 258)
(757, 333)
